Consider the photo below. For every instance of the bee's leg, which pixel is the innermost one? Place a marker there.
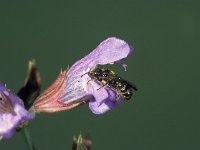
(123, 95)
(104, 83)
(118, 96)
(84, 74)
(102, 86)
(127, 95)
(89, 80)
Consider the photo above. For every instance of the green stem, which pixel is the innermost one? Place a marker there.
(27, 137)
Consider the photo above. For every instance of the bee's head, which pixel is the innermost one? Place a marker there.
(96, 73)
(106, 73)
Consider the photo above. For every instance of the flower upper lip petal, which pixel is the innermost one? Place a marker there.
(108, 51)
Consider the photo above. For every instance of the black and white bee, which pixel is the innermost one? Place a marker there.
(109, 78)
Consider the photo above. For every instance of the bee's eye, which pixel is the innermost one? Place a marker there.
(96, 74)
(105, 75)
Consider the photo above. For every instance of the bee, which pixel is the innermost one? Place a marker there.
(109, 78)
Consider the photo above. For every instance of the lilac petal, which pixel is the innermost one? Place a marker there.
(99, 93)
(104, 107)
(104, 99)
(109, 51)
(12, 112)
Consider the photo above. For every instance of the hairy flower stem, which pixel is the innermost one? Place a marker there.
(27, 137)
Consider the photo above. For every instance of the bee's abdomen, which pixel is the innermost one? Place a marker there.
(127, 94)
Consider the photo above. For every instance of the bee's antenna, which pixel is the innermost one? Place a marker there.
(84, 74)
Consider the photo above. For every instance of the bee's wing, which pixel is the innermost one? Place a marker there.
(132, 85)
(128, 84)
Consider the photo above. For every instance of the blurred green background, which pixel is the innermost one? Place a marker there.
(162, 115)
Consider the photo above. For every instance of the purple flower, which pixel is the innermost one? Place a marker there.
(12, 112)
(72, 87)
